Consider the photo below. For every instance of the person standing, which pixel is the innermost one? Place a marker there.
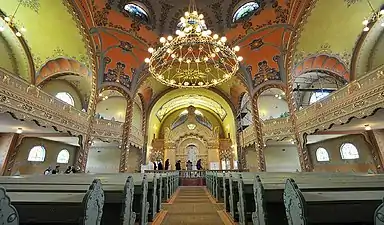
(154, 165)
(160, 166)
(178, 165)
(189, 165)
(198, 165)
(166, 166)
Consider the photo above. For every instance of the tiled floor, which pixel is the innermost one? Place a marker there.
(192, 206)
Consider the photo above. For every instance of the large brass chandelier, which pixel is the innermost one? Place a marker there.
(195, 57)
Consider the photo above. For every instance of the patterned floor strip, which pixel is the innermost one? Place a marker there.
(193, 206)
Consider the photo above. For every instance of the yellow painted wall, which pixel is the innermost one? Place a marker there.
(103, 159)
(333, 23)
(7, 61)
(112, 107)
(55, 86)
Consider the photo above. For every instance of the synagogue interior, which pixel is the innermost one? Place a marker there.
(197, 91)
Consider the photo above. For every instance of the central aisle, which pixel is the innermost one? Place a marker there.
(193, 206)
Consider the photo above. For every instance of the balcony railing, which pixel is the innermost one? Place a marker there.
(26, 101)
(273, 129)
(113, 130)
(358, 99)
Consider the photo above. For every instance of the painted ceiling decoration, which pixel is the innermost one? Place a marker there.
(321, 34)
(192, 99)
(42, 19)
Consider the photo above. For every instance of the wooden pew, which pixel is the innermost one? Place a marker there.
(114, 187)
(331, 205)
(9, 215)
(268, 195)
(65, 207)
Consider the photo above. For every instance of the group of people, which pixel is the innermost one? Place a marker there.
(189, 165)
(56, 170)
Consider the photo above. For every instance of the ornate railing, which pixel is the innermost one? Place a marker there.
(358, 99)
(277, 129)
(273, 129)
(25, 101)
(108, 130)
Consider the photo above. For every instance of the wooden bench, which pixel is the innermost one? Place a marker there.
(263, 202)
(66, 207)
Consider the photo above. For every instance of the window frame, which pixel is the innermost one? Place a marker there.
(239, 20)
(347, 155)
(142, 10)
(71, 99)
(63, 151)
(323, 95)
(37, 149)
(318, 155)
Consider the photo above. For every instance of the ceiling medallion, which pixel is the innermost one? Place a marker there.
(195, 57)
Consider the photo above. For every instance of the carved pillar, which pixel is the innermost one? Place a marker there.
(241, 154)
(259, 145)
(304, 156)
(375, 138)
(13, 141)
(125, 144)
(145, 139)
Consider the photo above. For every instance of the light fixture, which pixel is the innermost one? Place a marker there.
(9, 20)
(195, 57)
(19, 130)
(292, 141)
(367, 127)
(375, 16)
(191, 126)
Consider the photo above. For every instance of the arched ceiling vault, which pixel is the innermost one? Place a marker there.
(333, 28)
(123, 42)
(53, 30)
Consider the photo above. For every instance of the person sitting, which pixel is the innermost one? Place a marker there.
(68, 170)
(178, 165)
(56, 170)
(75, 170)
(48, 171)
(198, 165)
(160, 166)
(166, 166)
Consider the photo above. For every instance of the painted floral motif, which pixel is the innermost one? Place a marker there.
(32, 4)
(256, 44)
(265, 73)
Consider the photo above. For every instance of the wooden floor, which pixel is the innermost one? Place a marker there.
(193, 206)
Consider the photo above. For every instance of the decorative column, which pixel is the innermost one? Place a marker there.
(125, 144)
(145, 139)
(241, 153)
(375, 138)
(13, 141)
(304, 156)
(259, 145)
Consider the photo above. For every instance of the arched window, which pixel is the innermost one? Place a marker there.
(245, 11)
(349, 151)
(36, 154)
(322, 155)
(65, 97)
(316, 96)
(63, 156)
(137, 12)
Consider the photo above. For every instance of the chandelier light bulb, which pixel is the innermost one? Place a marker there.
(365, 22)
(366, 29)
(169, 51)
(151, 50)
(202, 22)
(173, 56)
(18, 34)
(178, 32)
(215, 36)
(236, 48)
(182, 19)
(162, 40)
(147, 60)
(169, 38)
(7, 19)
(186, 14)
(209, 32)
(223, 39)
(198, 29)
(381, 12)
(201, 16)
(367, 127)
(240, 58)
(194, 13)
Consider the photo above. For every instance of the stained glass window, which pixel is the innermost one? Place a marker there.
(322, 155)
(316, 96)
(37, 154)
(245, 11)
(137, 12)
(63, 156)
(349, 151)
(65, 97)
